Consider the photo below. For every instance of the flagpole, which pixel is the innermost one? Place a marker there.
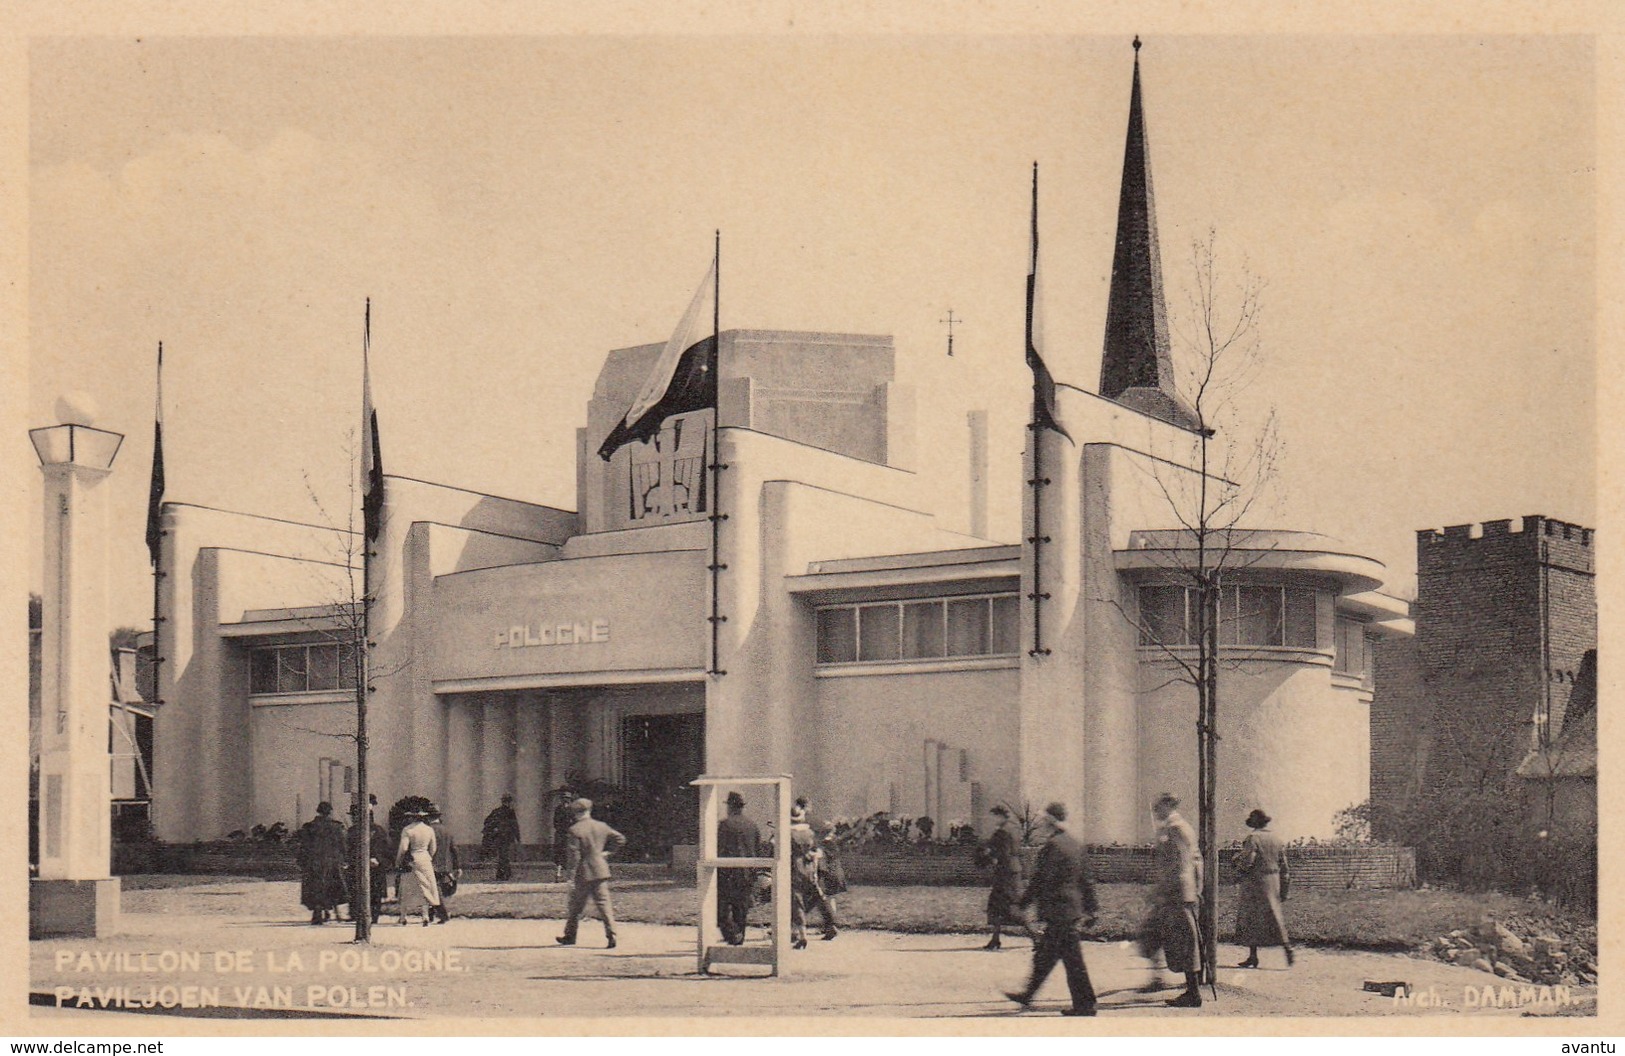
(155, 513)
(717, 516)
(361, 908)
(1036, 426)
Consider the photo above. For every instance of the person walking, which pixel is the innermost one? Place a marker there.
(320, 851)
(1170, 928)
(1001, 851)
(563, 818)
(805, 892)
(1065, 894)
(737, 837)
(1264, 878)
(590, 844)
(831, 873)
(447, 870)
(500, 835)
(415, 887)
(378, 852)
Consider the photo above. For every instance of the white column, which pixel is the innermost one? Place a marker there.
(74, 821)
(530, 776)
(462, 806)
(496, 750)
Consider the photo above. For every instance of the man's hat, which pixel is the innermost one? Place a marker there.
(507, 799)
(324, 807)
(735, 799)
(1000, 809)
(582, 806)
(1167, 799)
(1056, 811)
(798, 814)
(1257, 819)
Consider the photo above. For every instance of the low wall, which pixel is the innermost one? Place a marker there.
(1315, 868)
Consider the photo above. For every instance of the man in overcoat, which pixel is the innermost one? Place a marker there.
(500, 835)
(591, 842)
(737, 837)
(1171, 927)
(1065, 894)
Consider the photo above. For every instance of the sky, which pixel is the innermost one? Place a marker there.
(1421, 211)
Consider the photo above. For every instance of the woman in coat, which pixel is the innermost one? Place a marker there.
(1263, 871)
(321, 853)
(417, 890)
(1002, 852)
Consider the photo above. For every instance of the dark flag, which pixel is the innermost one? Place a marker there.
(1043, 383)
(155, 493)
(683, 378)
(372, 463)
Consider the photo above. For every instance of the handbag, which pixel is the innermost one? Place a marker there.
(448, 884)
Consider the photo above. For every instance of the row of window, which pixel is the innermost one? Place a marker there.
(1248, 615)
(931, 629)
(300, 668)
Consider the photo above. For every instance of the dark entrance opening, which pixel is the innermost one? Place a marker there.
(660, 755)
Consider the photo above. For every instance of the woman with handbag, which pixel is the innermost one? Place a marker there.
(1264, 876)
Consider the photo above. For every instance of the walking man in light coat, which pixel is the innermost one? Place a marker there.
(590, 843)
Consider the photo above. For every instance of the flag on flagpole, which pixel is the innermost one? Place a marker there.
(372, 463)
(1043, 382)
(155, 492)
(683, 378)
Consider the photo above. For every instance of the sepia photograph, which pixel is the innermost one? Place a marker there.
(794, 531)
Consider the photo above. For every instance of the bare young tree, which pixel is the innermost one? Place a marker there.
(1214, 497)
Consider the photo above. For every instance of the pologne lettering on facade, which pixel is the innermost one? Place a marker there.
(521, 636)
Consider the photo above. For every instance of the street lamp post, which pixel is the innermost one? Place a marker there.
(75, 893)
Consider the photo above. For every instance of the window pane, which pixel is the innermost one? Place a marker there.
(968, 627)
(1162, 616)
(1350, 656)
(324, 667)
(1300, 619)
(837, 636)
(922, 630)
(1259, 619)
(877, 632)
(1228, 618)
(347, 665)
(1006, 625)
(290, 670)
(262, 671)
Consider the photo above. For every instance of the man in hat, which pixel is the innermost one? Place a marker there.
(737, 837)
(1065, 894)
(590, 844)
(806, 892)
(1171, 927)
(500, 835)
(563, 818)
(1001, 853)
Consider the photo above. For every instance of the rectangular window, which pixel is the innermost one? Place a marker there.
(1349, 658)
(837, 636)
(347, 676)
(878, 633)
(1258, 615)
(923, 630)
(1162, 616)
(323, 667)
(968, 629)
(1006, 625)
(290, 670)
(1300, 619)
(262, 671)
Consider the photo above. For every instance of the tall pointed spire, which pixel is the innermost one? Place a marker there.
(1137, 367)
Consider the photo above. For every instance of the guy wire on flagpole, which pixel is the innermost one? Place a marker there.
(717, 465)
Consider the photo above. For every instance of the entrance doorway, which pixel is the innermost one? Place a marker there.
(660, 755)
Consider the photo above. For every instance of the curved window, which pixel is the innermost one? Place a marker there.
(1249, 615)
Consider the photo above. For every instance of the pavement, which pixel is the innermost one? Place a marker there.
(260, 966)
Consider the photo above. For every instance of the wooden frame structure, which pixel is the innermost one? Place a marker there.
(710, 949)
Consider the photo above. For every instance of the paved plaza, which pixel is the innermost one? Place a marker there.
(259, 964)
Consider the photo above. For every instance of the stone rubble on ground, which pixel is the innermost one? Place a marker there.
(1536, 956)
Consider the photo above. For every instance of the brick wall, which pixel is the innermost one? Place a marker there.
(1500, 615)
(1398, 731)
